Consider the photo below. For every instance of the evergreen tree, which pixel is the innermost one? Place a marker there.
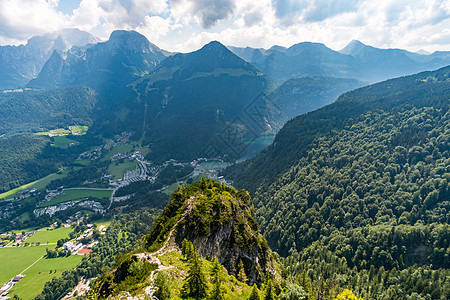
(241, 272)
(216, 274)
(304, 281)
(269, 292)
(195, 283)
(163, 291)
(254, 294)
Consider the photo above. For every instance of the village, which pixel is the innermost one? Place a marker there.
(81, 244)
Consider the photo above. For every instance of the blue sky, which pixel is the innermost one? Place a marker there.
(185, 25)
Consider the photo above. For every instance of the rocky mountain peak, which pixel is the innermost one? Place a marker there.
(219, 221)
(132, 41)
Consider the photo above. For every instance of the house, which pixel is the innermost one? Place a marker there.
(17, 278)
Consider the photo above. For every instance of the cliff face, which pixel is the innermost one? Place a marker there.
(218, 220)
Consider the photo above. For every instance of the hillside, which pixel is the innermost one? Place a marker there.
(32, 112)
(217, 222)
(200, 98)
(301, 95)
(362, 183)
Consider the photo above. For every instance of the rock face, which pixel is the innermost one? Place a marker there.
(218, 220)
(124, 57)
(21, 63)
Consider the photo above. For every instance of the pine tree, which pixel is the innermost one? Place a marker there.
(304, 281)
(195, 283)
(254, 295)
(216, 273)
(241, 272)
(188, 249)
(163, 291)
(269, 292)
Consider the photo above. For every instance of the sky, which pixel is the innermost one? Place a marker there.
(186, 25)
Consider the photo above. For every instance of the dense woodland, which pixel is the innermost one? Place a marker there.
(345, 191)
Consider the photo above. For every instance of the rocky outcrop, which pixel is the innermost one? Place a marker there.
(219, 221)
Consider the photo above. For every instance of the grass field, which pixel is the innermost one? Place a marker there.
(77, 194)
(36, 276)
(117, 171)
(14, 260)
(55, 132)
(171, 188)
(117, 149)
(62, 142)
(83, 162)
(78, 130)
(104, 222)
(24, 217)
(38, 184)
(49, 236)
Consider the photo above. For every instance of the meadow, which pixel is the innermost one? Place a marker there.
(117, 170)
(117, 149)
(62, 142)
(44, 236)
(74, 194)
(41, 272)
(14, 260)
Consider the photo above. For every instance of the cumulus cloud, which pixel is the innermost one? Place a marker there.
(208, 12)
(19, 19)
(185, 25)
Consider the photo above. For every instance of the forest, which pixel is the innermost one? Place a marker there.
(349, 191)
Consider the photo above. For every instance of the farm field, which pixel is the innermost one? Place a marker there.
(117, 149)
(117, 171)
(62, 142)
(74, 194)
(55, 132)
(78, 130)
(14, 260)
(44, 236)
(38, 184)
(41, 272)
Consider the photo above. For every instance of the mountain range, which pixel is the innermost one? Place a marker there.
(353, 191)
(356, 60)
(20, 64)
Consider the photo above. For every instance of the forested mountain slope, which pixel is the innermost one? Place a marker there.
(304, 94)
(362, 182)
(190, 99)
(59, 108)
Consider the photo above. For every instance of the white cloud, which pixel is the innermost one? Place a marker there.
(185, 25)
(20, 19)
